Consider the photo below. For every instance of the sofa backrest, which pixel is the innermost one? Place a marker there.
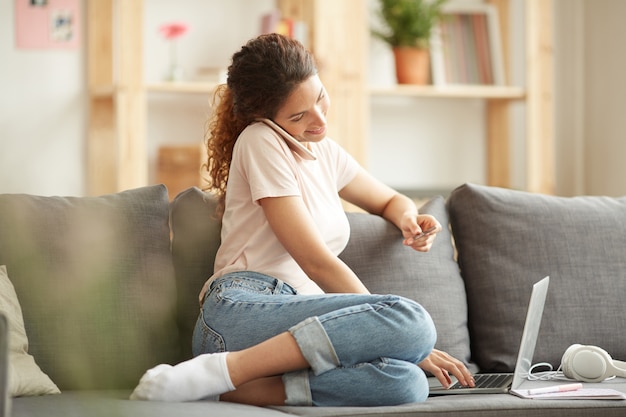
(375, 252)
(195, 239)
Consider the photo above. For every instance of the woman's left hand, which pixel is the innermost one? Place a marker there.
(420, 231)
(441, 365)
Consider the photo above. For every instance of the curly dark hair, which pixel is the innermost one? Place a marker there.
(261, 77)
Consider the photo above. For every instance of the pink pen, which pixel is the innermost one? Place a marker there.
(554, 389)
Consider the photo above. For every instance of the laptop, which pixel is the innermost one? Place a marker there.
(5, 399)
(504, 382)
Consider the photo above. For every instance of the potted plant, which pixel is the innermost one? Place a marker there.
(408, 27)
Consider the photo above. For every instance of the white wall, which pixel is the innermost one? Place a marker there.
(43, 113)
(591, 97)
(605, 97)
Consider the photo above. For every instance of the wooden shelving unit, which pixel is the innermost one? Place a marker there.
(117, 156)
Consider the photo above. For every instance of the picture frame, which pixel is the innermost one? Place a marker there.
(466, 47)
(47, 24)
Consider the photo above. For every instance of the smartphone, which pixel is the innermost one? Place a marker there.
(292, 142)
(425, 232)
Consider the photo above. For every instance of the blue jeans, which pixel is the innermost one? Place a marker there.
(362, 349)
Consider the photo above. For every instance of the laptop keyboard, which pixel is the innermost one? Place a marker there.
(486, 381)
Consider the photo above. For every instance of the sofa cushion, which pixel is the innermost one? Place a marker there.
(507, 240)
(376, 254)
(117, 404)
(95, 280)
(195, 239)
(25, 376)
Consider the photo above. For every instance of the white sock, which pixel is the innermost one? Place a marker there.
(203, 376)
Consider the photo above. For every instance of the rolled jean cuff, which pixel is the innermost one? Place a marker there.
(315, 345)
(297, 388)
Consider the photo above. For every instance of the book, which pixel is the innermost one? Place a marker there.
(465, 47)
(579, 394)
(273, 22)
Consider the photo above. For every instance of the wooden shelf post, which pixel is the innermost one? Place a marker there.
(540, 142)
(116, 146)
(498, 126)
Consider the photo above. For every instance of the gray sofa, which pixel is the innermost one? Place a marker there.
(108, 288)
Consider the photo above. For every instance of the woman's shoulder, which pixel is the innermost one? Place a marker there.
(266, 134)
(257, 136)
(258, 130)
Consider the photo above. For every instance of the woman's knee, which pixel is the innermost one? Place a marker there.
(389, 325)
(418, 328)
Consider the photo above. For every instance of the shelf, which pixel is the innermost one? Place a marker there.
(451, 91)
(460, 91)
(188, 87)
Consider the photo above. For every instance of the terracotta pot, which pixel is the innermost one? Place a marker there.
(412, 65)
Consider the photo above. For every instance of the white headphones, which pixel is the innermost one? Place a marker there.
(590, 364)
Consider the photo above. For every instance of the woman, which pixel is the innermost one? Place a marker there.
(284, 320)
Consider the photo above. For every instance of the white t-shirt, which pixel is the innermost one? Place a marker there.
(264, 164)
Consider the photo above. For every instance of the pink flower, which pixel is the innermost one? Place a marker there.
(173, 30)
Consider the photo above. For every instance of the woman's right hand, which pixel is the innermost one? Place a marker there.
(441, 365)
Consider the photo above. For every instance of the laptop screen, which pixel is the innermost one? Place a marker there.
(531, 332)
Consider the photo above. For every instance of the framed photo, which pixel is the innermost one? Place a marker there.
(466, 48)
(47, 24)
